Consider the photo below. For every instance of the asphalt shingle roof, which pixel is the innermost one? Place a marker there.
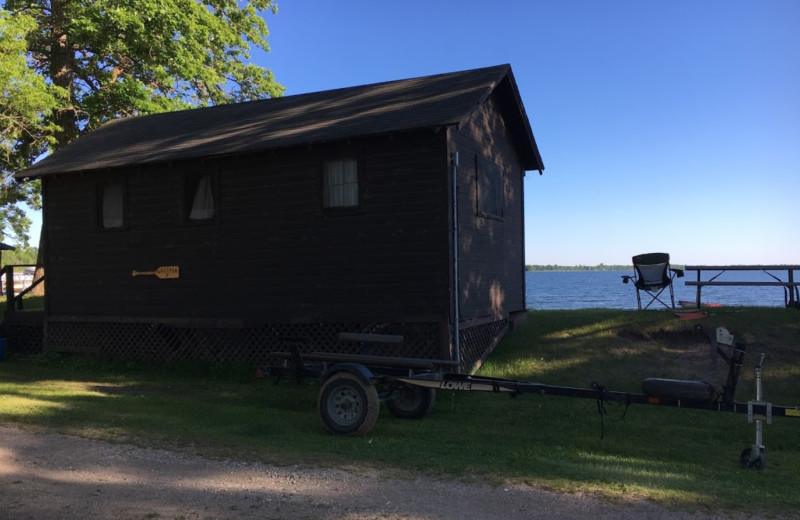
(443, 99)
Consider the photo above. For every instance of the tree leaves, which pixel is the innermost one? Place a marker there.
(86, 62)
(25, 132)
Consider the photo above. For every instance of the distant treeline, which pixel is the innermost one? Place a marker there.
(600, 267)
(22, 256)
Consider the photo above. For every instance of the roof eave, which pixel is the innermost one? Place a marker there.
(532, 159)
(32, 172)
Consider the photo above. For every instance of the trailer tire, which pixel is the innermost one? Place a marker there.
(413, 402)
(347, 405)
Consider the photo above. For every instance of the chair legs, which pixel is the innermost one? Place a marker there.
(656, 297)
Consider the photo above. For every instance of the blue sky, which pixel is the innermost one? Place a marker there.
(669, 126)
(664, 126)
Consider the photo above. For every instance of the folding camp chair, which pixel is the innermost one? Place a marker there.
(652, 274)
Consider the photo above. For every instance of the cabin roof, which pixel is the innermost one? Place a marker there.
(241, 128)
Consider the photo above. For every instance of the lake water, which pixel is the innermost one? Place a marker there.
(589, 289)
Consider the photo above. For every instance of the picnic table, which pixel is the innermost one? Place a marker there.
(790, 286)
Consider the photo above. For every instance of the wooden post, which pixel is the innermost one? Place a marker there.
(9, 288)
(698, 288)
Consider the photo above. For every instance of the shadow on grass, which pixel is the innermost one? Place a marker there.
(670, 455)
(621, 348)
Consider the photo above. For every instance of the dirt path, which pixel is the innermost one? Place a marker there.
(46, 476)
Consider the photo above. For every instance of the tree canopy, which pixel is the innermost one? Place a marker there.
(26, 105)
(72, 65)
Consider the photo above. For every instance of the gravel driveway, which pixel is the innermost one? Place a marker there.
(45, 476)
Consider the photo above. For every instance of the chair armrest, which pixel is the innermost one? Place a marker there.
(678, 272)
(626, 278)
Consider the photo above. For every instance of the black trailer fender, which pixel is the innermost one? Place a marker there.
(357, 369)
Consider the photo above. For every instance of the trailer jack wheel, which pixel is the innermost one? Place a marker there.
(412, 402)
(348, 405)
(753, 457)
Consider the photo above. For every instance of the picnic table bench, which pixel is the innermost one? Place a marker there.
(790, 286)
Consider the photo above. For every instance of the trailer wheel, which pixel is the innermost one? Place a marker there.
(347, 405)
(413, 402)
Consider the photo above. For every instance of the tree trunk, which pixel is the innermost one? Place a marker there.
(62, 72)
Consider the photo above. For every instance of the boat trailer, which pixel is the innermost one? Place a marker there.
(353, 386)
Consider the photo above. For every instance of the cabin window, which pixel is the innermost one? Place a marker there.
(111, 205)
(200, 197)
(490, 189)
(340, 179)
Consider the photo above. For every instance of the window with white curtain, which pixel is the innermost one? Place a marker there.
(112, 205)
(200, 191)
(340, 184)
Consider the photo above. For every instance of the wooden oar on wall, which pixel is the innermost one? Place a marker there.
(163, 272)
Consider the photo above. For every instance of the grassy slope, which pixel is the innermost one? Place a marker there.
(685, 457)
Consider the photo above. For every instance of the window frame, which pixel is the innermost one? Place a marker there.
(100, 204)
(325, 186)
(189, 185)
(490, 189)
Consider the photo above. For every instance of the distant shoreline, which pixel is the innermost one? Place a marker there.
(601, 267)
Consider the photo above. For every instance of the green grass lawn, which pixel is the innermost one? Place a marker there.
(685, 458)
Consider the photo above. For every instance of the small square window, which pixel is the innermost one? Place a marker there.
(340, 184)
(200, 197)
(111, 205)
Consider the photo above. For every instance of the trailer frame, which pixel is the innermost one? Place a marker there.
(354, 385)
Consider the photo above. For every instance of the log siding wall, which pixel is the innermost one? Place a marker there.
(491, 251)
(272, 253)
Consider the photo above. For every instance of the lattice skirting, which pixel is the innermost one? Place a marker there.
(159, 342)
(476, 343)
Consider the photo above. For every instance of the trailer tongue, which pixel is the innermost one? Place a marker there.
(353, 387)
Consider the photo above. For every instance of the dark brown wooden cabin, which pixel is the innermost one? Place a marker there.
(351, 210)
